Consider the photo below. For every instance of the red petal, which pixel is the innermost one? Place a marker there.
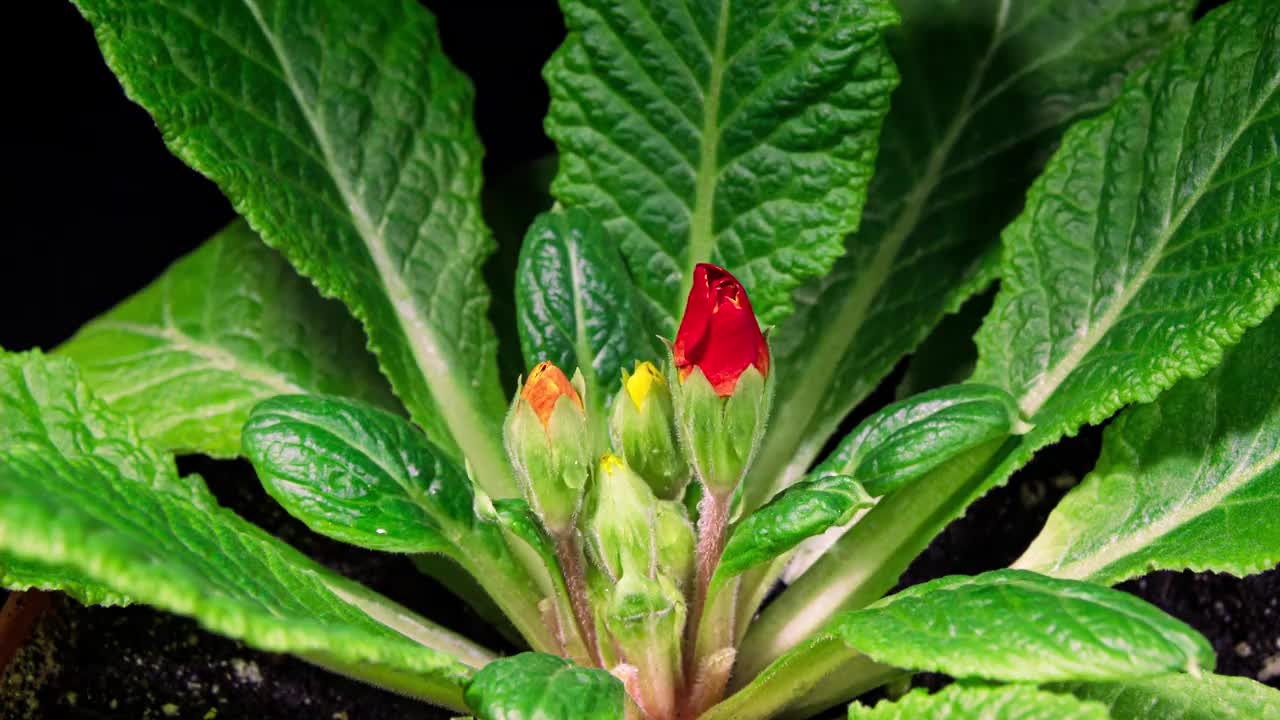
(719, 333)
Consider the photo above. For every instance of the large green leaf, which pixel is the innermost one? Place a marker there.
(342, 133)
(1148, 246)
(1008, 625)
(45, 405)
(82, 508)
(576, 304)
(987, 88)
(535, 686)
(1018, 626)
(1188, 482)
(370, 478)
(958, 702)
(79, 426)
(224, 327)
(1183, 697)
(707, 130)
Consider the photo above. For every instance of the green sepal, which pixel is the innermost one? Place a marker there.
(721, 435)
(676, 543)
(643, 434)
(599, 591)
(620, 528)
(646, 617)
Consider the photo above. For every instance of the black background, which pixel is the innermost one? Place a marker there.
(95, 207)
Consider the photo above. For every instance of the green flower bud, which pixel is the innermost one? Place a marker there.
(620, 530)
(642, 427)
(544, 435)
(646, 618)
(676, 541)
(600, 589)
(721, 434)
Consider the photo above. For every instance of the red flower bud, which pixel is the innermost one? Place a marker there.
(546, 385)
(719, 333)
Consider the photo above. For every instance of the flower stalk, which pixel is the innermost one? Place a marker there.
(721, 389)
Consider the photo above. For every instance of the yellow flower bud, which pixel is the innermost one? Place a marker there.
(641, 382)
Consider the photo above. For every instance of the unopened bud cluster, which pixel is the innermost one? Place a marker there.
(621, 505)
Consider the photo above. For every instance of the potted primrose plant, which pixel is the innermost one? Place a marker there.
(631, 516)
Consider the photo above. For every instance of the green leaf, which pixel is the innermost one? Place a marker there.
(1190, 481)
(705, 130)
(969, 128)
(1183, 697)
(362, 476)
(799, 512)
(46, 406)
(902, 442)
(907, 439)
(344, 136)
(1017, 626)
(87, 510)
(533, 686)
(576, 303)
(1007, 626)
(19, 573)
(223, 328)
(516, 517)
(367, 477)
(959, 702)
(1146, 248)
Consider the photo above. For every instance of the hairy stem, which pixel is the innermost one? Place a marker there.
(712, 675)
(713, 525)
(630, 677)
(804, 682)
(569, 554)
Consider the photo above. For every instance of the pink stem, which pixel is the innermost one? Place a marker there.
(713, 522)
(569, 555)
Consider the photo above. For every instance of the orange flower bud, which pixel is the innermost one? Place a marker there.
(545, 386)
